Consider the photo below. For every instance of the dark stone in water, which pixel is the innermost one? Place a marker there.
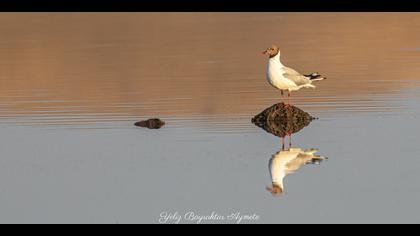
(282, 121)
(150, 124)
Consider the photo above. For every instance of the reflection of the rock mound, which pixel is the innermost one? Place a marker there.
(288, 161)
(282, 121)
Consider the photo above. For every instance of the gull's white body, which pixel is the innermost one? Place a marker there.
(284, 78)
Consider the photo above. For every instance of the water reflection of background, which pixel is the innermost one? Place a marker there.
(100, 69)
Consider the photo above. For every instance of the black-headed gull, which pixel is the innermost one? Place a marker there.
(285, 78)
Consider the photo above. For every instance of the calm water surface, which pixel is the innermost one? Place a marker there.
(72, 85)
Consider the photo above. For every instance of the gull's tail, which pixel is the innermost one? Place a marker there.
(315, 159)
(315, 77)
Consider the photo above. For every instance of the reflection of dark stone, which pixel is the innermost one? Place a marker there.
(281, 121)
(151, 124)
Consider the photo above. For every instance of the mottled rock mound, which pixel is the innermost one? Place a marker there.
(150, 124)
(281, 121)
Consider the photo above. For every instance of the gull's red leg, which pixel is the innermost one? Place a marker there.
(290, 98)
(289, 95)
(290, 140)
(282, 96)
(282, 143)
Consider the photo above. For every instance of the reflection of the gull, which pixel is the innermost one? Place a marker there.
(288, 161)
(283, 122)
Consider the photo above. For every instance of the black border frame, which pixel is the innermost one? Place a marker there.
(208, 6)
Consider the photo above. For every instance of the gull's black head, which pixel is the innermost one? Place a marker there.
(272, 51)
(275, 189)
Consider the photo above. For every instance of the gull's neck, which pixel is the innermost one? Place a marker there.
(276, 60)
(278, 176)
(278, 170)
(279, 183)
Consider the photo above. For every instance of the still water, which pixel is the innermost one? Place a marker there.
(72, 86)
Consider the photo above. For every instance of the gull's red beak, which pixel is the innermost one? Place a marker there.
(264, 52)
